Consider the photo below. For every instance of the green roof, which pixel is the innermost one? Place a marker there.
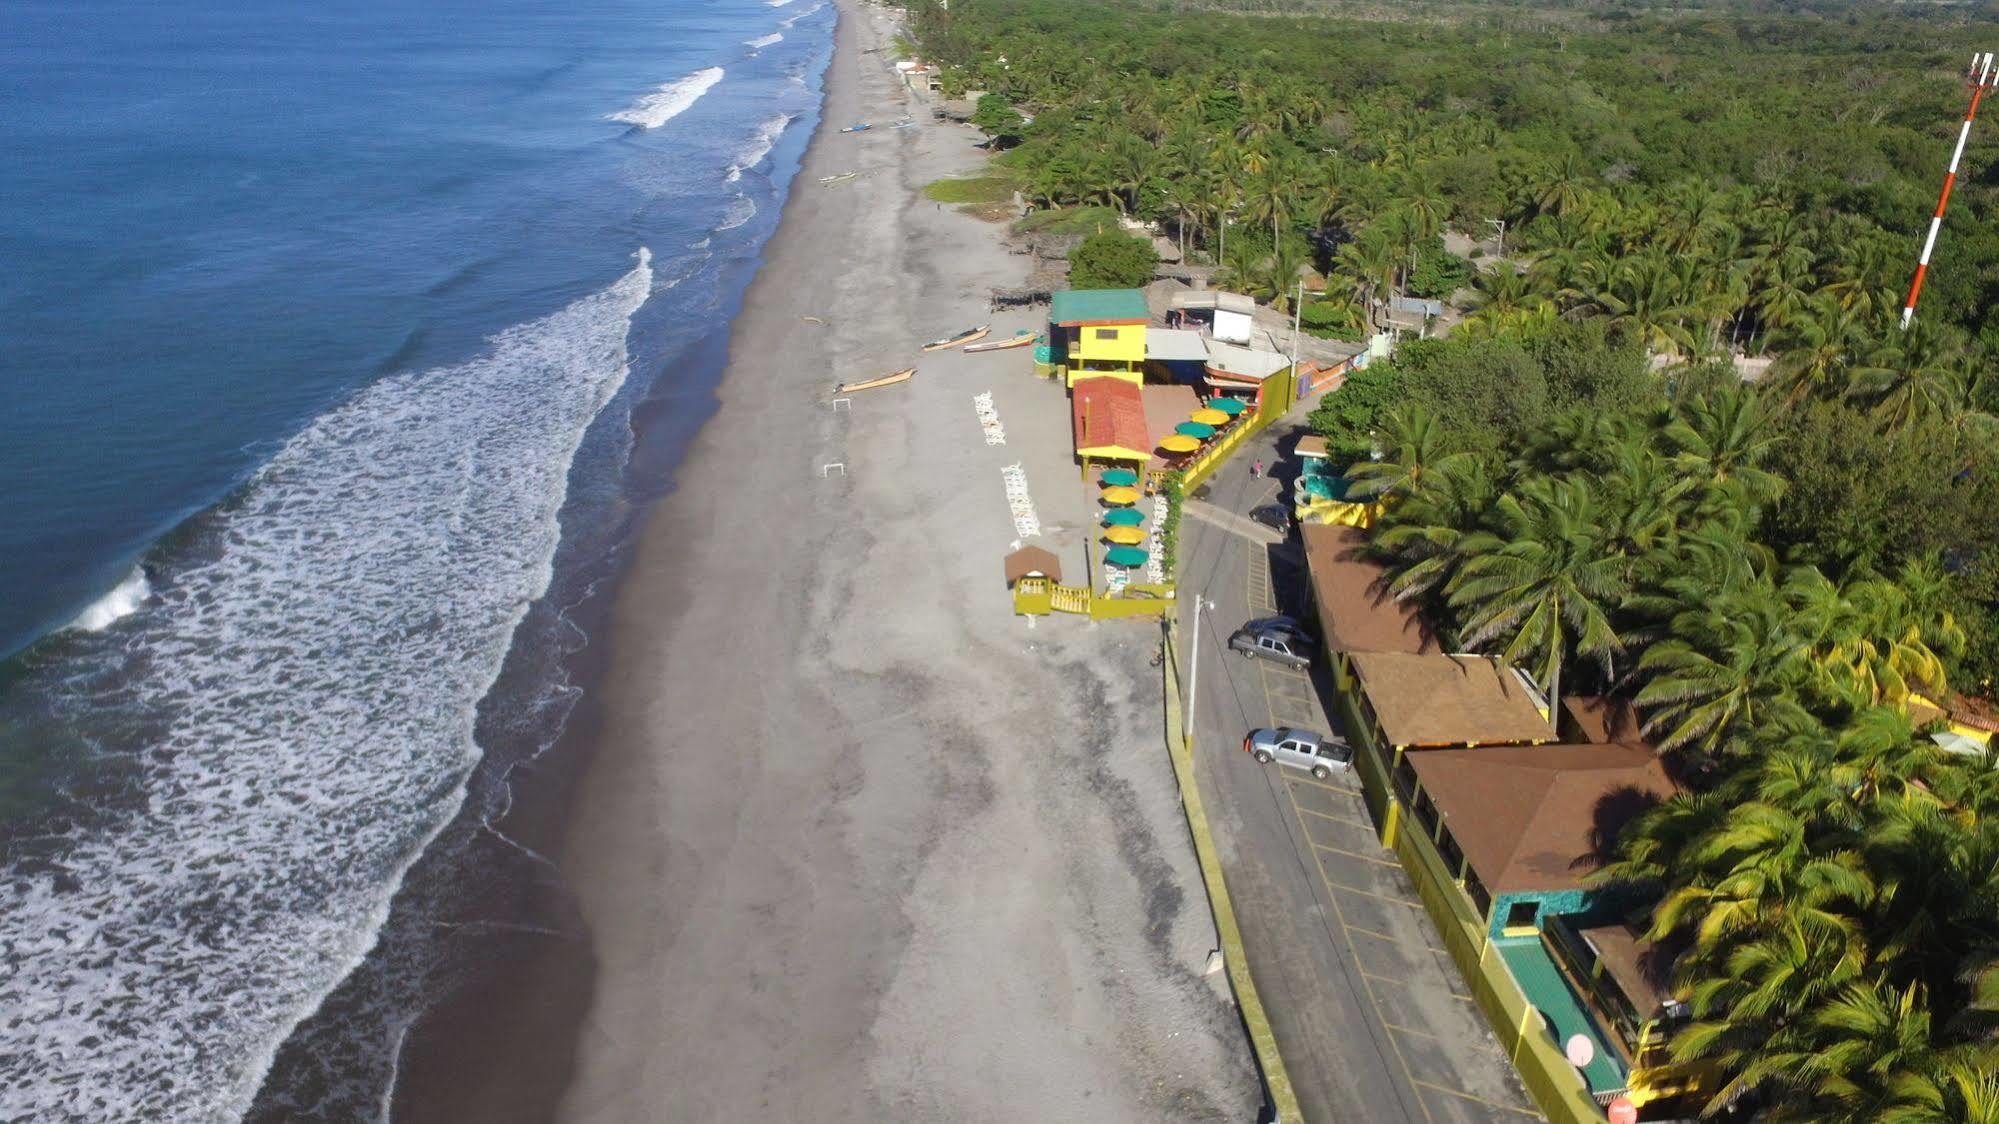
(1081, 306)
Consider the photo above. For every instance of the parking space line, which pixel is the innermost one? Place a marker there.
(1462, 1095)
(1367, 985)
(1334, 818)
(1370, 893)
(1488, 1047)
(1344, 853)
(1341, 789)
(1372, 933)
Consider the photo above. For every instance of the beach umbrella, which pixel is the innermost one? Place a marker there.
(1211, 417)
(1195, 430)
(1123, 517)
(1119, 477)
(1124, 536)
(1125, 556)
(1179, 443)
(1230, 406)
(1121, 496)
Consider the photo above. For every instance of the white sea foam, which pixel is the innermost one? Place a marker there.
(813, 10)
(122, 601)
(741, 208)
(316, 674)
(760, 145)
(669, 101)
(762, 41)
(777, 3)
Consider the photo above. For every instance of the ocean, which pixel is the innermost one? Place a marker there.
(340, 346)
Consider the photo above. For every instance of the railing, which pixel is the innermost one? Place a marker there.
(1070, 599)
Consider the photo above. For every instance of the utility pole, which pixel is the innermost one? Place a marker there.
(1194, 666)
(1297, 320)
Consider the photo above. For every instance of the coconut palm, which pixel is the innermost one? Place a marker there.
(1726, 667)
(1721, 441)
(1541, 581)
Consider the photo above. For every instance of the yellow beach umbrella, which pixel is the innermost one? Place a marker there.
(1210, 417)
(1179, 443)
(1120, 496)
(1124, 536)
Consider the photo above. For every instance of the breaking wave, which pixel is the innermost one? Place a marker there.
(741, 209)
(122, 601)
(762, 41)
(760, 145)
(813, 10)
(669, 101)
(299, 693)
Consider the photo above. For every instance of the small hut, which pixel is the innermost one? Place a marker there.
(1032, 573)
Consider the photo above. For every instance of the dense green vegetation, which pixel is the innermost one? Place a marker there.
(1111, 259)
(1775, 575)
(1832, 874)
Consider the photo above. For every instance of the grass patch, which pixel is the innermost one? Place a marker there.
(974, 190)
(1068, 220)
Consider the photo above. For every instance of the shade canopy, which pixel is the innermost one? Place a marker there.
(1125, 556)
(1195, 430)
(1179, 443)
(1119, 477)
(1123, 517)
(1210, 416)
(1229, 406)
(1121, 496)
(1124, 536)
(1032, 561)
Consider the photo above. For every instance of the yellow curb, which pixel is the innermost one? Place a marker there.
(1261, 1038)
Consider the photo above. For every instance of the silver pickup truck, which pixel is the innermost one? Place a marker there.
(1300, 749)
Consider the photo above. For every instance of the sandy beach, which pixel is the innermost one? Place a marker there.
(855, 844)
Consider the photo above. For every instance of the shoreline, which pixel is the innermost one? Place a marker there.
(821, 874)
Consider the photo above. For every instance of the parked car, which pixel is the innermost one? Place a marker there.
(1276, 516)
(1300, 749)
(1279, 620)
(1288, 646)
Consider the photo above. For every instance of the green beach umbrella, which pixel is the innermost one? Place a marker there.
(1195, 429)
(1230, 406)
(1126, 556)
(1119, 477)
(1123, 517)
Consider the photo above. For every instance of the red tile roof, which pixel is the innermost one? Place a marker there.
(1108, 413)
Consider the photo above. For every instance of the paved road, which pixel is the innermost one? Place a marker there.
(1369, 1012)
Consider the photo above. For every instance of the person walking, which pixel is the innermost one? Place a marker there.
(1256, 470)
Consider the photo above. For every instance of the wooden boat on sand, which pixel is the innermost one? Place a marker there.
(969, 335)
(1024, 338)
(869, 384)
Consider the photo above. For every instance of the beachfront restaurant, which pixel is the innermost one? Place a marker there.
(1107, 420)
(1099, 333)
(1500, 820)
(1512, 835)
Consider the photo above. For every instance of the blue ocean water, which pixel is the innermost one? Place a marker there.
(322, 333)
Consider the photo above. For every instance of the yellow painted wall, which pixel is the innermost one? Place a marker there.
(1125, 345)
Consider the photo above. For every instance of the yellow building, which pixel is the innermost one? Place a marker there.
(1100, 332)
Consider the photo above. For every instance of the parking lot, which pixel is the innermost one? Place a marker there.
(1370, 1014)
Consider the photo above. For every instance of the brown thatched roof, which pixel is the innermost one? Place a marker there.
(1539, 818)
(1032, 560)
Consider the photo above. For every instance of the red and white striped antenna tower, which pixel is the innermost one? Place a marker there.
(1982, 78)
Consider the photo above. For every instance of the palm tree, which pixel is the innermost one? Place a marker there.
(1416, 453)
(1560, 186)
(1721, 440)
(1820, 348)
(1542, 580)
(1727, 667)
(1913, 376)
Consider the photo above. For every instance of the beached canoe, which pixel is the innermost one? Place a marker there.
(886, 380)
(969, 335)
(860, 128)
(1021, 340)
